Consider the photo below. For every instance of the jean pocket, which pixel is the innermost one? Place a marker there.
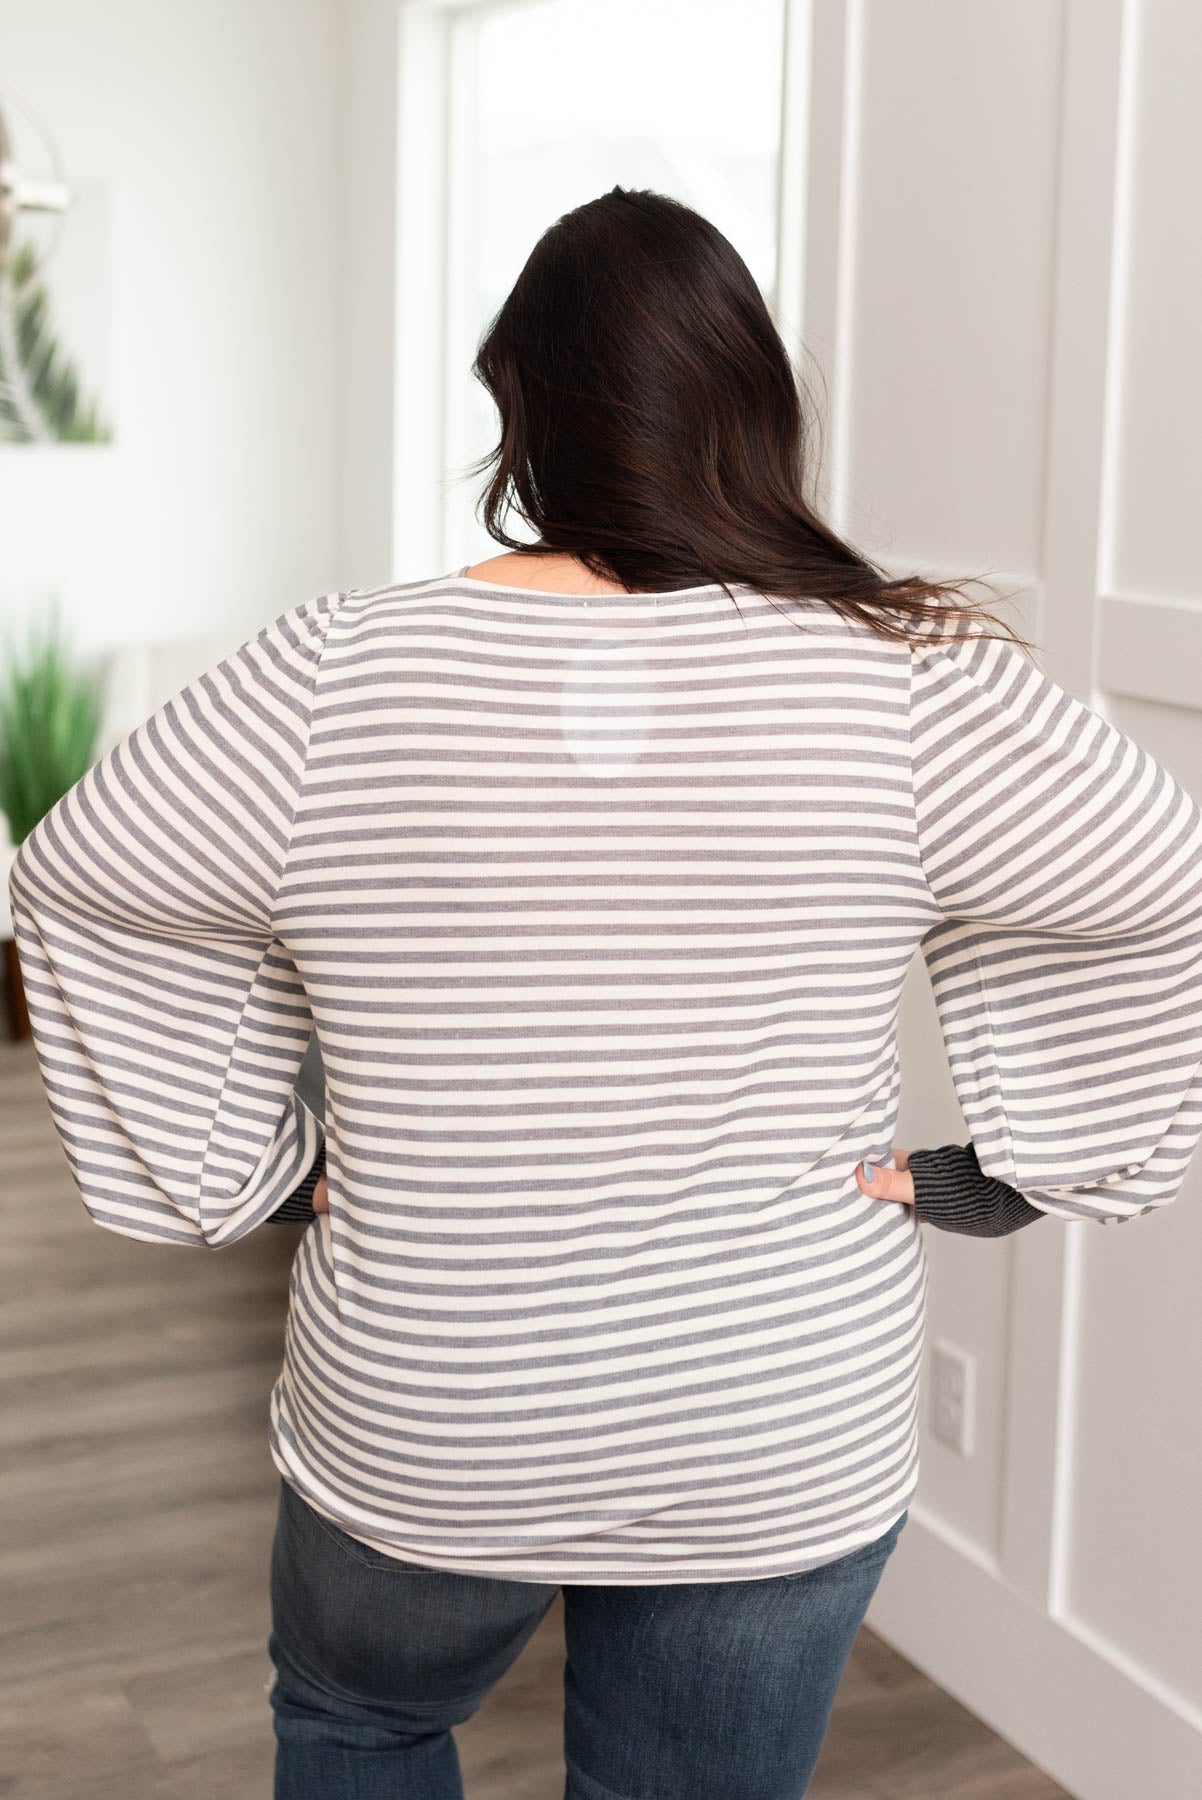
(307, 1518)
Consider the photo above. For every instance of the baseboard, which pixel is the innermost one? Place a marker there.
(1066, 1704)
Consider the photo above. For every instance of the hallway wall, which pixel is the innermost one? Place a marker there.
(1001, 285)
(215, 130)
(1006, 309)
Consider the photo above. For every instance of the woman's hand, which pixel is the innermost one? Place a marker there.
(321, 1195)
(889, 1184)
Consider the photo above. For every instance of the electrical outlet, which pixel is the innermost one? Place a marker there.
(953, 1396)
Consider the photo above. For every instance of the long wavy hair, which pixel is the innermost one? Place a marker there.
(653, 426)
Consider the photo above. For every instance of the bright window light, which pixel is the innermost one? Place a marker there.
(555, 101)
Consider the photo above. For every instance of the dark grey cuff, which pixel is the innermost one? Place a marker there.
(952, 1193)
(299, 1204)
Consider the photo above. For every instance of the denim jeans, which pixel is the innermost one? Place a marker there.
(689, 1691)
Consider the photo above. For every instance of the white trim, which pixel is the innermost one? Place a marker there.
(1068, 1373)
(1078, 1707)
(1033, 1416)
(793, 176)
(1081, 331)
(1045, 1275)
(366, 249)
(1150, 648)
(1119, 292)
(843, 365)
(461, 208)
(418, 461)
(822, 311)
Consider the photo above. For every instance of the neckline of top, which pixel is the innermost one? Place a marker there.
(498, 587)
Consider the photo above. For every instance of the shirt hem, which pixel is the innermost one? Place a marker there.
(669, 1575)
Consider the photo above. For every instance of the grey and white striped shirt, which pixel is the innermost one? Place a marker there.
(602, 908)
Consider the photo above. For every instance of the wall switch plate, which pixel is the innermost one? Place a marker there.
(953, 1396)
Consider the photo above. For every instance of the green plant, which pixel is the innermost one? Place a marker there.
(50, 712)
(40, 399)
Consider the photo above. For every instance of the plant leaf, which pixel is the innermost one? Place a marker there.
(40, 398)
(50, 715)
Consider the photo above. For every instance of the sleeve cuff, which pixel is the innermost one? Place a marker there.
(299, 1203)
(952, 1193)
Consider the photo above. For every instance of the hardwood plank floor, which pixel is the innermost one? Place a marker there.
(138, 1501)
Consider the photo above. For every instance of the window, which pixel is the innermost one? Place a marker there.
(548, 103)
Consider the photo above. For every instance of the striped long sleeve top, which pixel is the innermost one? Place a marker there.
(950, 1191)
(601, 909)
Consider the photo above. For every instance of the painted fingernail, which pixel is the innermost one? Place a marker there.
(869, 1171)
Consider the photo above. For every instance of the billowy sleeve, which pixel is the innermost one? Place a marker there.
(1067, 965)
(168, 1020)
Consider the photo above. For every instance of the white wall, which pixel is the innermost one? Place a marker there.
(1001, 278)
(367, 291)
(217, 125)
(1004, 284)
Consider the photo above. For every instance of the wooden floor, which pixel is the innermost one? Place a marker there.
(138, 1501)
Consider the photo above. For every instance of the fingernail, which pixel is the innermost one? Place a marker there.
(869, 1171)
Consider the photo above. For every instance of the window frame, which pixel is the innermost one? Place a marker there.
(435, 83)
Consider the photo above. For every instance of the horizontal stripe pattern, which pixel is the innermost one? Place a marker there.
(951, 1192)
(168, 1020)
(602, 910)
(1067, 969)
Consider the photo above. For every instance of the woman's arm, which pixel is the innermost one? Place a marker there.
(1066, 863)
(168, 1018)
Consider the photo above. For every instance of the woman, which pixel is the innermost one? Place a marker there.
(598, 868)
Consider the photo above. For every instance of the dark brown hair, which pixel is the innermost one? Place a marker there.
(653, 426)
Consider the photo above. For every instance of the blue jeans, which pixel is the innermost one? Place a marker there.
(690, 1691)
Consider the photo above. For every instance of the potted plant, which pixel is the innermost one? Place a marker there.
(50, 713)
